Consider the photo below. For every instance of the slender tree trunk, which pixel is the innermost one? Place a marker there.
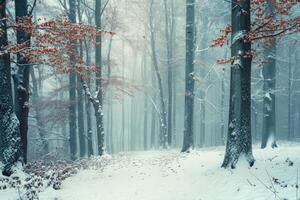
(163, 113)
(174, 81)
(202, 117)
(38, 114)
(168, 33)
(255, 119)
(290, 133)
(123, 98)
(22, 86)
(88, 107)
(98, 107)
(110, 103)
(72, 90)
(223, 107)
(80, 98)
(189, 76)
(153, 113)
(269, 74)
(144, 75)
(239, 141)
(10, 149)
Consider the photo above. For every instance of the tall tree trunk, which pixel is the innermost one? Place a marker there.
(88, 107)
(223, 107)
(38, 114)
(80, 98)
(290, 132)
(123, 98)
(72, 89)
(10, 148)
(144, 75)
(153, 112)
(110, 93)
(202, 117)
(269, 74)
(168, 33)
(22, 86)
(189, 76)
(163, 113)
(239, 141)
(98, 107)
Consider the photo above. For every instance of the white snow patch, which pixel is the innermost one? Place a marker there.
(170, 175)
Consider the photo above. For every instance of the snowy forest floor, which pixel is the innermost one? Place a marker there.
(170, 175)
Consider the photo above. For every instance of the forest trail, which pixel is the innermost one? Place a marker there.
(169, 175)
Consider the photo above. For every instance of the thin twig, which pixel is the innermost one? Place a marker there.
(275, 192)
(268, 188)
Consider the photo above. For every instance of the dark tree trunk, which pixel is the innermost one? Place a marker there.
(80, 108)
(169, 37)
(88, 107)
(72, 89)
(87, 85)
(80, 99)
(98, 106)
(239, 142)
(269, 74)
(22, 85)
(10, 148)
(163, 113)
(189, 76)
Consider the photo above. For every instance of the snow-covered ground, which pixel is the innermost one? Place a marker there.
(170, 175)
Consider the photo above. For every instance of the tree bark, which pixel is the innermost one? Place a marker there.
(98, 107)
(22, 85)
(10, 149)
(72, 89)
(80, 98)
(239, 141)
(169, 36)
(189, 76)
(163, 113)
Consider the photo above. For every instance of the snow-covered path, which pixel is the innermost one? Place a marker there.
(169, 175)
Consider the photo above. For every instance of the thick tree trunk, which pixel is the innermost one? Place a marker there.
(269, 74)
(10, 149)
(22, 86)
(163, 113)
(239, 142)
(189, 76)
(72, 90)
(98, 107)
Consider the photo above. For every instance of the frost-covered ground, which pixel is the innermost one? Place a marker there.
(169, 175)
